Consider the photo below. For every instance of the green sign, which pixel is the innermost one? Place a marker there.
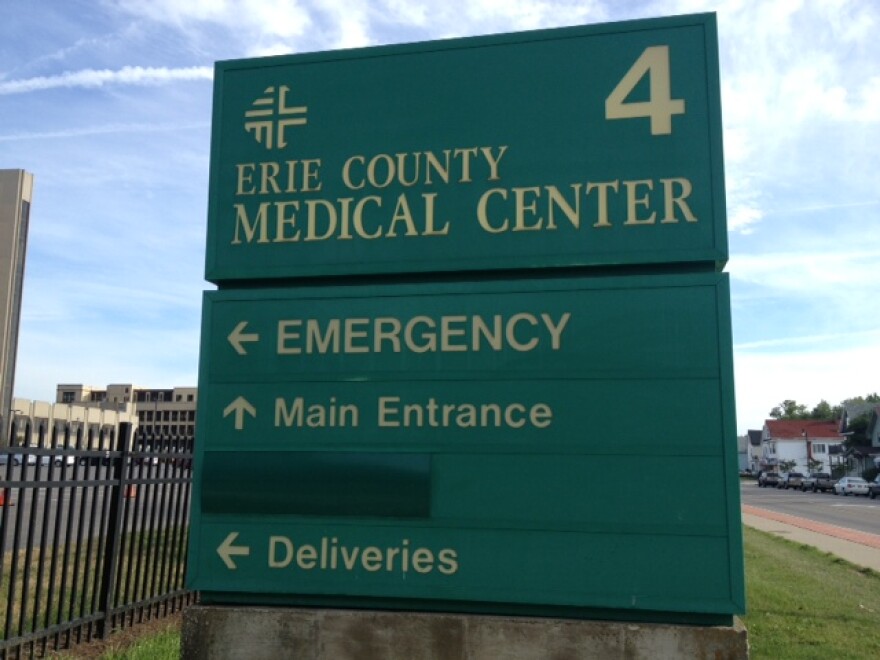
(554, 445)
(596, 145)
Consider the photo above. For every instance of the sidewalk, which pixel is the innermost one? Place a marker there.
(859, 548)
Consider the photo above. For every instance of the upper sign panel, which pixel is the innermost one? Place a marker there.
(581, 146)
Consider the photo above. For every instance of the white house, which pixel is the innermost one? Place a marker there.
(801, 441)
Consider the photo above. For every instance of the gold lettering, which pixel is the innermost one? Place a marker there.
(346, 172)
(285, 216)
(493, 162)
(633, 202)
(482, 216)
(522, 207)
(557, 200)
(402, 214)
(603, 200)
(358, 217)
(671, 200)
(312, 206)
(250, 230)
(311, 173)
(245, 176)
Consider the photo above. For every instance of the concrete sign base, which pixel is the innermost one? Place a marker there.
(220, 633)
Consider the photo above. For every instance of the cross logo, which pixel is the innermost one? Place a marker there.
(271, 115)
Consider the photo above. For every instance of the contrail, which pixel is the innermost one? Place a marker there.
(90, 78)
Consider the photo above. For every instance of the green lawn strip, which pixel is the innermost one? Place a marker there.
(803, 603)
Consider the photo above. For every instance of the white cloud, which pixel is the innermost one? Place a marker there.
(104, 130)
(834, 373)
(813, 275)
(89, 78)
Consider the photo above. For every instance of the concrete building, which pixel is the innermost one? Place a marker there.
(156, 412)
(16, 190)
(45, 424)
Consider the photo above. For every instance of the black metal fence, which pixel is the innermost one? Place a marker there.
(93, 536)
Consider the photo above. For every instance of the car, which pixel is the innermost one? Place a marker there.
(18, 459)
(791, 480)
(851, 485)
(874, 487)
(64, 459)
(817, 481)
(768, 478)
(6, 459)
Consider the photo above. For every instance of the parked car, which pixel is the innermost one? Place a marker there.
(817, 481)
(874, 487)
(18, 459)
(768, 478)
(6, 459)
(790, 480)
(851, 485)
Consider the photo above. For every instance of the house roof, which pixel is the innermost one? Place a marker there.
(789, 429)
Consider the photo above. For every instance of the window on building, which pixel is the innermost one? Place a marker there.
(819, 448)
(68, 397)
(178, 398)
(173, 415)
(149, 415)
(189, 397)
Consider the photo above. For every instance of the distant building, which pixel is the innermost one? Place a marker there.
(755, 449)
(16, 190)
(156, 412)
(802, 441)
(46, 424)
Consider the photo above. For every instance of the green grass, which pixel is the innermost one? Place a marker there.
(155, 559)
(802, 604)
(163, 646)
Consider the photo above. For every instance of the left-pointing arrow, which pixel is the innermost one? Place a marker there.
(240, 406)
(238, 337)
(227, 551)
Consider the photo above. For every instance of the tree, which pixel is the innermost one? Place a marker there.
(857, 430)
(786, 466)
(790, 409)
(813, 465)
(825, 411)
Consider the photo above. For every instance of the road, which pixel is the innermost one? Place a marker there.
(859, 513)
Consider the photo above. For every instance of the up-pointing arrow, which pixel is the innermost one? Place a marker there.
(238, 337)
(240, 406)
(227, 551)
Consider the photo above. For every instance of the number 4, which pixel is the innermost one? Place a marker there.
(654, 61)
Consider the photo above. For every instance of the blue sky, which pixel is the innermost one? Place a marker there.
(108, 103)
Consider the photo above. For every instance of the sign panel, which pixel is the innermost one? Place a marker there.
(554, 445)
(596, 145)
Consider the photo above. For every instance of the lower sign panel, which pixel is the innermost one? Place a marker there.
(572, 465)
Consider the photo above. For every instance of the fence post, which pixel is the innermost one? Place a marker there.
(114, 528)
